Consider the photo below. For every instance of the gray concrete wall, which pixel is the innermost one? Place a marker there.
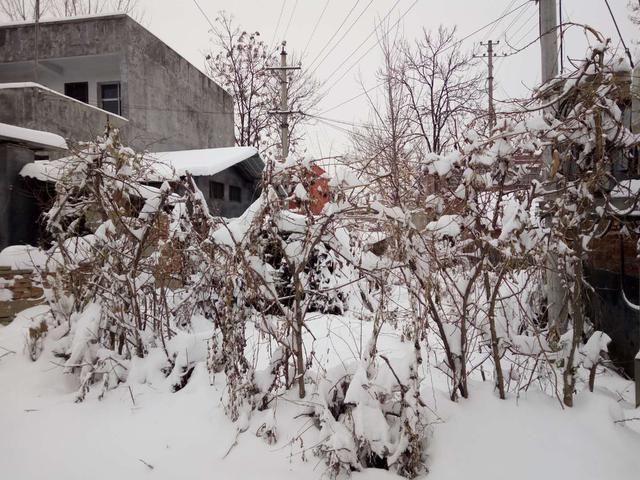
(227, 208)
(40, 109)
(18, 210)
(170, 104)
(60, 39)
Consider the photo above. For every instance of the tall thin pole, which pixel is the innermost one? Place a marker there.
(561, 38)
(37, 40)
(492, 110)
(284, 103)
(557, 294)
(284, 110)
(490, 55)
(549, 39)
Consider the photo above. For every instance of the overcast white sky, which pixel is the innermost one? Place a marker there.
(181, 25)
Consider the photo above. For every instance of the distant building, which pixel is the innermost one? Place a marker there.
(229, 178)
(65, 79)
(67, 75)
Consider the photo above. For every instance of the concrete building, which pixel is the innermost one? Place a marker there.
(19, 211)
(229, 178)
(73, 76)
(67, 75)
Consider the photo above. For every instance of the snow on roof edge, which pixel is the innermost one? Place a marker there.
(203, 162)
(35, 137)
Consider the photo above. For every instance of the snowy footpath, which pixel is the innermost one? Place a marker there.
(141, 430)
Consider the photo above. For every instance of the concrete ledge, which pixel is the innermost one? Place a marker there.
(36, 107)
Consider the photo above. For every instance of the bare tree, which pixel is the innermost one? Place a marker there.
(69, 8)
(16, 10)
(384, 151)
(239, 61)
(443, 89)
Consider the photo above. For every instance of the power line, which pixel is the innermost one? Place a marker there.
(334, 34)
(487, 25)
(365, 40)
(488, 34)
(343, 36)
(514, 22)
(361, 94)
(295, 5)
(273, 38)
(615, 22)
(450, 46)
(204, 14)
(313, 32)
(343, 122)
(526, 34)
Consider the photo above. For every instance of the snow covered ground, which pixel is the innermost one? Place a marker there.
(144, 431)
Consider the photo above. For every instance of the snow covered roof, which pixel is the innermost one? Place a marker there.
(170, 165)
(206, 162)
(33, 138)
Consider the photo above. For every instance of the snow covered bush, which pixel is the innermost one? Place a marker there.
(283, 261)
(487, 239)
(371, 416)
(126, 257)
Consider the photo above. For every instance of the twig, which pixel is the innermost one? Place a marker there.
(131, 394)
(634, 419)
(6, 353)
(148, 465)
(402, 386)
(235, 442)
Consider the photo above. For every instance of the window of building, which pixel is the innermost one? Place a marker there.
(216, 190)
(109, 97)
(77, 90)
(235, 194)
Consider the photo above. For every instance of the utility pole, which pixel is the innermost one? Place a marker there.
(490, 55)
(557, 294)
(36, 15)
(284, 111)
(549, 39)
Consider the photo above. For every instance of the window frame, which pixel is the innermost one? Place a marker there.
(117, 99)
